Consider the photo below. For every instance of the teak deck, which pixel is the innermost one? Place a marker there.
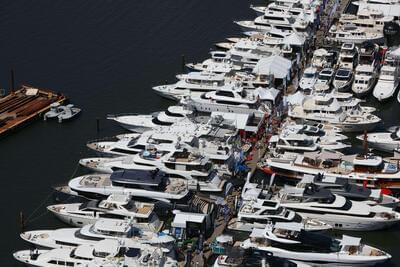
(23, 105)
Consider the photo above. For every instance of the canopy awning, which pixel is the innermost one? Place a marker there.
(273, 65)
(350, 241)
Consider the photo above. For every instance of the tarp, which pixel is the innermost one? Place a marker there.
(295, 99)
(294, 39)
(273, 65)
(267, 93)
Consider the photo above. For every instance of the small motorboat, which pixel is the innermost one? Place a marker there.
(68, 112)
(55, 110)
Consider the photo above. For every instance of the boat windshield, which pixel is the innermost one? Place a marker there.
(309, 75)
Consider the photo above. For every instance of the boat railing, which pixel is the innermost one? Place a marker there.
(102, 139)
(113, 116)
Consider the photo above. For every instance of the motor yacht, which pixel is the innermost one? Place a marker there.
(349, 190)
(325, 77)
(140, 184)
(226, 101)
(309, 78)
(313, 202)
(369, 19)
(348, 56)
(291, 242)
(366, 170)
(220, 62)
(194, 83)
(384, 141)
(141, 123)
(110, 253)
(120, 207)
(343, 79)
(258, 213)
(351, 33)
(316, 131)
(295, 10)
(92, 233)
(323, 58)
(387, 7)
(388, 82)
(275, 19)
(328, 110)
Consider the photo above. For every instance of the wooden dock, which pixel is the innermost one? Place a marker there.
(24, 105)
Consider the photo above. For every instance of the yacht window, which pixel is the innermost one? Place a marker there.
(156, 121)
(62, 263)
(224, 93)
(309, 75)
(167, 112)
(123, 151)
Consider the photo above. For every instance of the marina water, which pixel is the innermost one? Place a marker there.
(105, 55)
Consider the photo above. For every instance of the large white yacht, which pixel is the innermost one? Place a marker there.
(295, 10)
(120, 207)
(387, 7)
(313, 202)
(385, 141)
(92, 233)
(325, 77)
(389, 78)
(343, 79)
(371, 20)
(328, 110)
(348, 56)
(226, 101)
(368, 169)
(275, 19)
(220, 62)
(309, 78)
(291, 242)
(110, 253)
(387, 83)
(143, 184)
(258, 213)
(349, 190)
(196, 169)
(351, 33)
(141, 123)
(321, 58)
(194, 83)
(366, 72)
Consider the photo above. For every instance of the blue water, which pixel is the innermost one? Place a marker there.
(105, 56)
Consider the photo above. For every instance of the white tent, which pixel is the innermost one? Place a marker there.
(273, 65)
(267, 93)
(295, 99)
(294, 39)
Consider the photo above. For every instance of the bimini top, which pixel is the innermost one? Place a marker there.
(140, 177)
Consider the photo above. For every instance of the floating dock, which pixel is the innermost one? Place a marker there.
(22, 106)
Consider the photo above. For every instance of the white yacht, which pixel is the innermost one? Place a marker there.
(309, 78)
(316, 131)
(348, 56)
(120, 207)
(291, 242)
(387, 7)
(150, 185)
(329, 110)
(369, 19)
(351, 33)
(226, 101)
(194, 84)
(258, 213)
(275, 19)
(385, 141)
(141, 123)
(199, 172)
(325, 77)
(320, 58)
(389, 78)
(295, 10)
(369, 170)
(349, 190)
(220, 62)
(388, 81)
(110, 253)
(341, 213)
(343, 79)
(92, 233)
(289, 141)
